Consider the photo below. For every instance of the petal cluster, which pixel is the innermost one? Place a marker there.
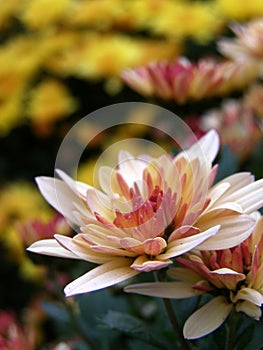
(183, 80)
(234, 277)
(149, 211)
(248, 44)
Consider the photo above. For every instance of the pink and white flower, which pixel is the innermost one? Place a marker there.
(149, 211)
(183, 80)
(234, 277)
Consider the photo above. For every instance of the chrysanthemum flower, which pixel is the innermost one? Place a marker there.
(234, 277)
(248, 45)
(149, 211)
(235, 123)
(183, 80)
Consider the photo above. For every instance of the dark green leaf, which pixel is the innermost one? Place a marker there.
(133, 327)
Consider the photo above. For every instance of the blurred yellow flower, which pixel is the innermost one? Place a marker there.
(20, 201)
(239, 9)
(187, 20)
(38, 14)
(49, 101)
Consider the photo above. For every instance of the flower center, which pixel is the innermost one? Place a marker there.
(142, 214)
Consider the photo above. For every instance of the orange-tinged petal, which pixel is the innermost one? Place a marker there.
(112, 272)
(228, 277)
(172, 290)
(154, 246)
(208, 318)
(144, 264)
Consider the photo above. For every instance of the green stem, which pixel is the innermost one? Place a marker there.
(76, 323)
(172, 317)
(230, 331)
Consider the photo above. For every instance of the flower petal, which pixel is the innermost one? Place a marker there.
(249, 309)
(228, 277)
(208, 318)
(172, 290)
(183, 245)
(144, 264)
(80, 188)
(234, 230)
(112, 272)
(51, 247)
(60, 196)
(250, 295)
(81, 249)
(208, 144)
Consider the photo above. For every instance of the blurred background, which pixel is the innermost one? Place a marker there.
(61, 60)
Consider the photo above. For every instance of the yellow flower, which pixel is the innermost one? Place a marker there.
(33, 10)
(181, 20)
(149, 211)
(12, 208)
(234, 277)
(239, 9)
(50, 101)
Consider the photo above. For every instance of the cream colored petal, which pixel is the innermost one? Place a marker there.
(207, 146)
(207, 319)
(106, 178)
(81, 249)
(216, 192)
(183, 245)
(144, 264)
(228, 277)
(80, 188)
(99, 203)
(131, 168)
(102, 229)
(112, 251)
(250, 197)
(250, 295)
(249, 309)
(234, 230)
(108, 274)
(172, 290)
(237, 181)
(257, 233)
(51, 247)
(60, 196)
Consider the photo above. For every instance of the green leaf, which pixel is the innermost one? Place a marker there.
(55, 311)
(133, 327)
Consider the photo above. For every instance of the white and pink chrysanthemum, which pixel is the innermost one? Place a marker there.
(248, 44)
(183, 80)
(234, 277)
(149, 211)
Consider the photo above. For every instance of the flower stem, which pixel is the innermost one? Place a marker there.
(172, 317)
(230, 331)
